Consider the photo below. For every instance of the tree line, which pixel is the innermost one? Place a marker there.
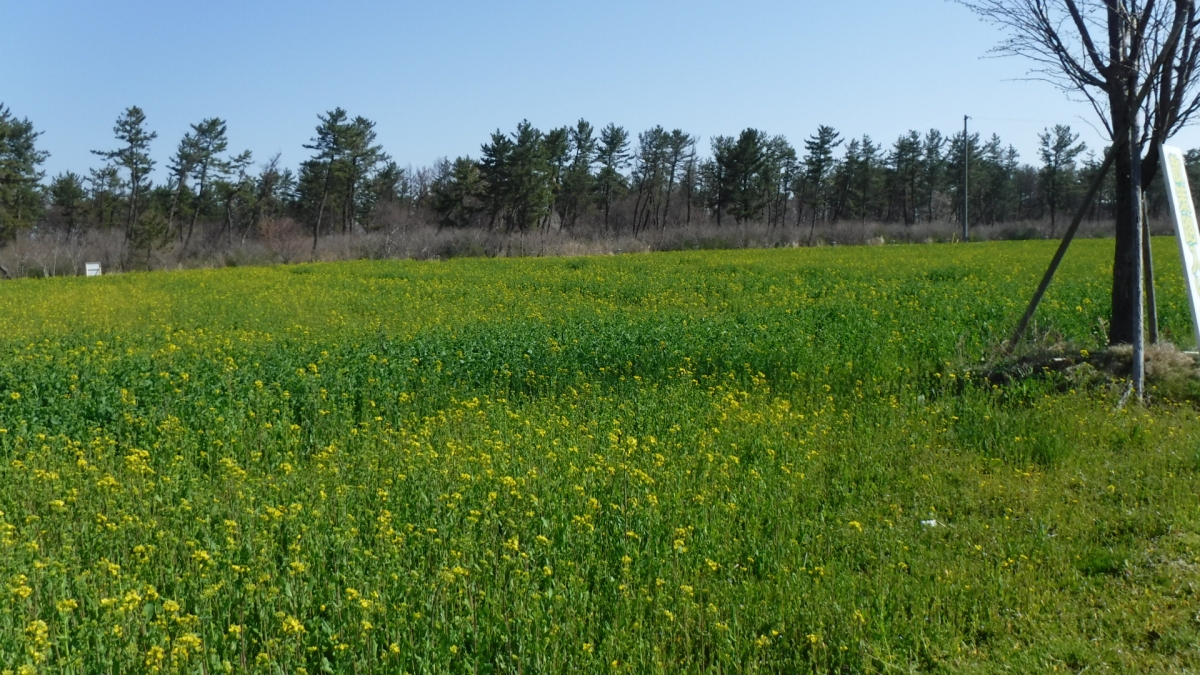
(576, 177)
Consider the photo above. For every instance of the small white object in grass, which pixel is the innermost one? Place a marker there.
(929, 523)
(92, 269)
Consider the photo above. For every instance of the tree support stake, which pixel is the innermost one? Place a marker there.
(1062, 248)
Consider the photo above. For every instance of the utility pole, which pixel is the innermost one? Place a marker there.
(966, 233)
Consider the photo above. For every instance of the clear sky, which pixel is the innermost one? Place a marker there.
(438, 77)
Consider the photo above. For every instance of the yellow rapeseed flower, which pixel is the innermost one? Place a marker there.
(154, 658)
(292, 626)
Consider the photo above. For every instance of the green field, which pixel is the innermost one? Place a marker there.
(693, 462)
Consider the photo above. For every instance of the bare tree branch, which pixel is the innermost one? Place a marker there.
(1086, 36)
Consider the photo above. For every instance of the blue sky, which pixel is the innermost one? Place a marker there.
(438, 77)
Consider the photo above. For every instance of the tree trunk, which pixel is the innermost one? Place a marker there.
(670, 186)
(134, 180)
(229, 221)
(171, 213)
(317, 225)
(689, 202)
(195, 211)
(321, 209)
(1125, 300)
(606, 203)
(691, 181)
(637, 206)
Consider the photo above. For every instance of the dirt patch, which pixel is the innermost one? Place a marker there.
(1170, 373)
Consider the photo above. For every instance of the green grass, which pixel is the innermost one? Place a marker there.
(697, 462)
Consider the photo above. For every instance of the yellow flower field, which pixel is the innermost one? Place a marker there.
(750, 461)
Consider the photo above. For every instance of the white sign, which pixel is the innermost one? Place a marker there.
(93, 269)
(1186, 229)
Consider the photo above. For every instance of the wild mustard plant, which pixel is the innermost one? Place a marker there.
(750, 461)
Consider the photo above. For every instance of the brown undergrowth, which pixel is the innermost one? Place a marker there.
(1171, 374)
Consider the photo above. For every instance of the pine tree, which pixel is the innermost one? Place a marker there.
(531, 193)
(818, 168)
(495, 169)
(385, 186)
(234, 189)
(718, 185)
(203, 149)
(779, 170)
(680, 147)
(905, 175)
(68, 198)
(578, 183)
(933, 170)
(317, 174)
(274, 188)
(557, 144)
(457, 193)
(362, 157)
(1058, 149)
(20, 195)
(648, 175)
(613, 157)
(181, 166)
(134, 157)
(104, 194)
(870, 177)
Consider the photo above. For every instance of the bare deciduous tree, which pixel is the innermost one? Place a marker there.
(1139, 76)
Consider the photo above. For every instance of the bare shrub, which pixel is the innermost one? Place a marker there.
(283, 237)
(106, 247)
(48, 254)
(398, 232)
